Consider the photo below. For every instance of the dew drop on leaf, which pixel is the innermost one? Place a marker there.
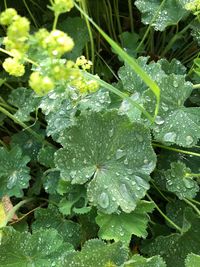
(170, 137)
(159, 120)
(189, 140)
(120, 153)
(104, 200)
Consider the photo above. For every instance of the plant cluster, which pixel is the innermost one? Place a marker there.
(99, 133)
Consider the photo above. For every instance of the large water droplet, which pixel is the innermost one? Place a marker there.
(126, 161)
(139, 137)
(189, 140)
(120, 153)
(170, 137)
(188, 183)
(104, 200)
(164, 107)
(159, 120)
(175, 83)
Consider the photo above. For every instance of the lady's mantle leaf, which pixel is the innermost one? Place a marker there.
(170, 13)
(179, 181)
(121, 227)
(175, 247)
(139, 261)
(97, 253)
(115, 154)
(192, 260)
(25, 100)
(44, 248)
(14, 174)
(52, 218)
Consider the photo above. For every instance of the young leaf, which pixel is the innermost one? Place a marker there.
(115, 154)
(14, 173)
(178, 182)
(121, 227)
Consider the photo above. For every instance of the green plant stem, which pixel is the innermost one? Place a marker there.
(23, 125)
(119, 93)
(156, 187)
(55, 20)
(5, 4)
(194, 201)
(116, 8)
(11, 55)
(130, 8)
(130, 61)
(196, 86)
(84, 7)
(149, 27)
(14, 209)
(176, 37)
(176, 150)
(30, 13)
(195, 175)
(165, 216)
(192, 205)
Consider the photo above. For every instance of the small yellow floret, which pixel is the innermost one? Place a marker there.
(8, 16)
(40, 84)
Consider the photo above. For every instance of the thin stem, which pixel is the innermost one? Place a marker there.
(11, 55)
(14, 209)
(130, 8)
(116, 8)
(30, 13)
(84, 6)
(192, 205)
(55, 20)
(165, 216)
(196, 86)
(195, 175)
(5, 4)
(177, 150)
(156, 187)
(23, 125)
(149, 27)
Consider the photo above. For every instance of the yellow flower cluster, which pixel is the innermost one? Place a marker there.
(16, 40)
(55, 42)
(193, 6)
(62, 6)
(40, 84)
(83, 63)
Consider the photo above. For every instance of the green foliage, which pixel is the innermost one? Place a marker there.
(99, 160)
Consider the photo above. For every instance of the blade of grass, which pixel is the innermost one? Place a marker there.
(130, 61)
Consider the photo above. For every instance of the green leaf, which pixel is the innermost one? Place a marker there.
(130, 41)
(50, 182)
(175, 247)
(161, 14)
(97, 101)
(97, 253)
(46, 156)
(25, 100)
(192, 260)
(52, 218)
(76, 28)
(14, 173)
(44, 248)
(180, 182)
(29, 145)
(121, 227)
(112, 154)
(59, 112)
(139, 261)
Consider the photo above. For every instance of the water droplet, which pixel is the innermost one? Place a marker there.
(188, 183)
(175, 83)
(189, 140)
(73, 174)
(104, 200)
(159, 120)
(170, 137)
(111, 132)
(139, 137)
(126, 161)
(164, 107)
(120, 153)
